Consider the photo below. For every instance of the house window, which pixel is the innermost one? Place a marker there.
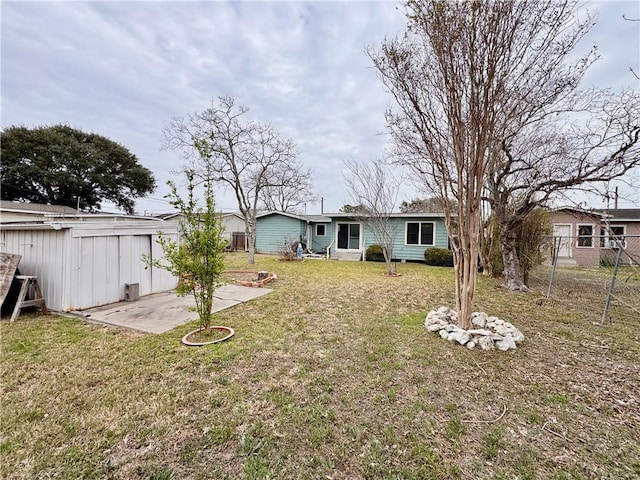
(420, 233)
(613, 237)
(321, 230)
(585, 235)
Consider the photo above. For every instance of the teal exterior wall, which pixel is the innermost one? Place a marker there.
(273, 230)
(320, 243)
(403, 251)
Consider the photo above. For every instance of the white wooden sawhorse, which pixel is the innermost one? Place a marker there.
(29, 285)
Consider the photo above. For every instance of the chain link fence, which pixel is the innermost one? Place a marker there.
(596, 276)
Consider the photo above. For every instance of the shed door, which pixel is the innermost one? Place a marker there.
(99, 272)
(132, 269)
(239, 240)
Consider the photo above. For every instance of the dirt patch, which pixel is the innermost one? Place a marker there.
(250, 278)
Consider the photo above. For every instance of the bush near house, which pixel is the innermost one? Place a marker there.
(374, 254)
(438, 257)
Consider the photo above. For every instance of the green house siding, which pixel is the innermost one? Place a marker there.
(319, 243)
(416, 252)
(276, 228)
(272, 231)
(403, 251)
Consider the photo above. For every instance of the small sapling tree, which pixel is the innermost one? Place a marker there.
(197, 258)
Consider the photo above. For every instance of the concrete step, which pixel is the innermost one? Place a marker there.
(348, 256)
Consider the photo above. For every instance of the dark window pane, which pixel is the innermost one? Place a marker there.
(426, 233)
(343, 235)
(617, 231)
(354, 236)
(585, 233)
(412, 233)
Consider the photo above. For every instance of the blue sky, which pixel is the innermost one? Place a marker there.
(124, 69)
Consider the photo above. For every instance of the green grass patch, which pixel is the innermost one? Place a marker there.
(331, 375)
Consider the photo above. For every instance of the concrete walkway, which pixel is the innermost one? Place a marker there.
(164, 311)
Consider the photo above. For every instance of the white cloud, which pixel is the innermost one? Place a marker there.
(124, 69)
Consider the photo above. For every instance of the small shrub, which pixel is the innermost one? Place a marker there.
(438, 257)
(607, 261)
(288, 250)
(374, 254)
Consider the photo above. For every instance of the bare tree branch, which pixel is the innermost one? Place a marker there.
(222, 144)
(375, 189)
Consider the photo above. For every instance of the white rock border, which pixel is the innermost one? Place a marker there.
(491, 332)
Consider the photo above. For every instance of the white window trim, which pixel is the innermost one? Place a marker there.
(406, 227)
(325, 229)
(593, 235)
(607, 236)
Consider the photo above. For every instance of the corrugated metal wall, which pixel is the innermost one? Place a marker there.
(108, 263)
(78, 272)
(97, 278)
(161, 280)
(45, 254)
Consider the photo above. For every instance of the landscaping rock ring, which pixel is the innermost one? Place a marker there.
(230, 333)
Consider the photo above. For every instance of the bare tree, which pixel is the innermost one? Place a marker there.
(580, 142)
(466, 77)
(227, 147)
(442, 74)
(552, 136)
(374, 188)
(290, 191)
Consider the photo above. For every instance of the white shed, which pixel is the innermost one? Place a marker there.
(82, 264)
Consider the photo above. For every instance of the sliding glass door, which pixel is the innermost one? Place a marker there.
(348, 236)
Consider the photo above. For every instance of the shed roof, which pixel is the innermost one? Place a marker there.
(13, 206)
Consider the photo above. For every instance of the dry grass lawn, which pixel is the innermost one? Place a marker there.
(331, 376)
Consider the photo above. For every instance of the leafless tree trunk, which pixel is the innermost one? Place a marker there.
(580, 142)
(375, 188)
(247, 156)
(486, 100)
(442, 74)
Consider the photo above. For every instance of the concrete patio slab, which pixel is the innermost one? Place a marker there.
(164, 311)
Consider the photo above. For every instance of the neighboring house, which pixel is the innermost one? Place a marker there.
(588, 236)
(578, 233)
(233, 223)
(344, 236)
(623, 223)
(86, 260)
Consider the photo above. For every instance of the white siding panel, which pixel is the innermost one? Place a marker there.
(44, 254)
(132, 268)
(161, 279)
(98, 272)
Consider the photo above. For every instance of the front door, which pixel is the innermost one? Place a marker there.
(564, 233)
(348, 236)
